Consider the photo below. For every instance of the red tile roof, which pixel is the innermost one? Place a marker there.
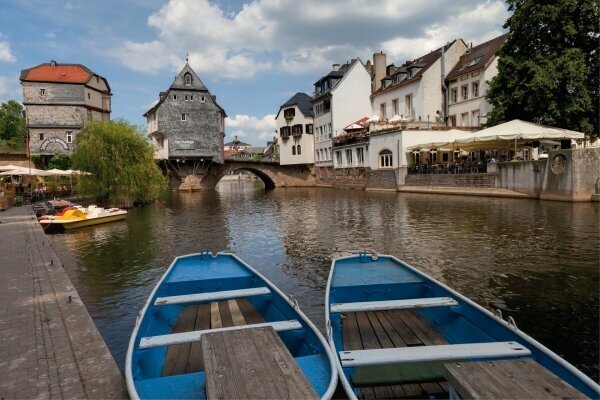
(63, 73)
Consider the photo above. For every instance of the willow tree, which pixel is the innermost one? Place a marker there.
(120, 161)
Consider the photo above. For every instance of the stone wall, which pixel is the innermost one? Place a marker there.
(53, 93)
(451, 180)
(381, 179)
(571, 175)
(524, 177)
(202, 124)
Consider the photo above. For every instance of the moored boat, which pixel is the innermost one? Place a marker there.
(213, 327)
(79, 217)
(396, 332)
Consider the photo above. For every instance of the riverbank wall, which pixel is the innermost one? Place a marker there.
(566, 175)
(49, 344)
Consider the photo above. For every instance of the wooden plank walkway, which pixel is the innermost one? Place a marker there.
(187, 357)
(49, 345)
(253, 364)
(388, 329)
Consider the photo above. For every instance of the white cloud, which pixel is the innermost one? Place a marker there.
(9, 88)
(302, 39)
(6, 54)
(254, 130)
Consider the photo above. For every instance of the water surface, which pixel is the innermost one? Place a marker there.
(536, 261)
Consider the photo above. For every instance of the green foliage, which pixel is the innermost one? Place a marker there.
(121, 162)
(548, 69)
(256, 157)
(12, 122)
(60, 161)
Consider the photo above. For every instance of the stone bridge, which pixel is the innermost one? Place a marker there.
(192, 177)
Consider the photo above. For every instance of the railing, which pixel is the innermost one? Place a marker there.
(449, 168)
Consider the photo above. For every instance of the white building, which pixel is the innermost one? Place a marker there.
(351, 149)
(295, 127)
(468, 86)
(415, 91)
(341, 97)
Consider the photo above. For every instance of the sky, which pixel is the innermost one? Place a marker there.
(252, 55)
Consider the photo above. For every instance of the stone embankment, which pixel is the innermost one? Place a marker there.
(49, 345)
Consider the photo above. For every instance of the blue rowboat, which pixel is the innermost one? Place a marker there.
(396, 332)
(205, 301)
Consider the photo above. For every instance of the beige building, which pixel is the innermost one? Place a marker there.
(467, 83)
(59, 99)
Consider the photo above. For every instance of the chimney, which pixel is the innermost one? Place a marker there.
(369, 67)
(336, 67)
(53, 63)
(379, 61)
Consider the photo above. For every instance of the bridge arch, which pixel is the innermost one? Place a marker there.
(264, 175)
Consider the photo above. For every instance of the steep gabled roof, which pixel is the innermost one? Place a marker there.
(423, 62)
(54, 72)
(478, 57)
(179, 82)
(302, 100)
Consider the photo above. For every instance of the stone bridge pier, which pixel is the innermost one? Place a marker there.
(271, 173)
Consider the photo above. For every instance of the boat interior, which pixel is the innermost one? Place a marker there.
(203, 295)
(380, 304)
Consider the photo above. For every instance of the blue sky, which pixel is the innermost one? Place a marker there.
(252, 55)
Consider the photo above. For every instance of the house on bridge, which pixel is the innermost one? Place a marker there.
(186, 125)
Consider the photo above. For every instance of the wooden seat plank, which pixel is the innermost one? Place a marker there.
(225, 313)
(215, 316)
(253, 364)
(522, 379)
(176, 357)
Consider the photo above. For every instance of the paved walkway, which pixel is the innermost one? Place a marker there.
(49, 345)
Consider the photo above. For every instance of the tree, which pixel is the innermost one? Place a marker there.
(121, 163)
(548, 69)
(12, 122)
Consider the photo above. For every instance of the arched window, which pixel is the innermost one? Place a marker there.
(293, 150)
(385, 159)
(188, 79)
(299, 150)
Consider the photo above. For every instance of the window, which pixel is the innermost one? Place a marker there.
(475, 118)
(323, 158)
(299, 149)
(385, 159)
(42, 92)
(188, 79)
(452, 121)
(338, 158)
(417, 157)
(183, 117)
(309, 128)
(329, 131)
(475, 89)
(161, 143)
(433, 156)
(285, 132)
(318, 109)
(289, 113)
(69, 136)
(186, 98)
(89, 115)
(318, 156)
(395, 107)
(445, 156)
(293, 150)
(297, 130)
(202, 99)
(191, 97)
(349, 157)
(329, 154)
(174, 97)
(454, 95)
(89, 96)
(464, 119)
(360, 156)
(382, 110)
(465, 92)
(409, 104)
(41, 136)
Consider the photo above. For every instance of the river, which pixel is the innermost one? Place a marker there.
(537, 261)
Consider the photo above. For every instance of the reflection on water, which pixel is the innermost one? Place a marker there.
(537, 261)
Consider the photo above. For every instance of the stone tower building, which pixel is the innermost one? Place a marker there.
(187, 125)
(59, 99)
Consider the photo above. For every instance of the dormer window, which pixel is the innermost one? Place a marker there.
(188, 79)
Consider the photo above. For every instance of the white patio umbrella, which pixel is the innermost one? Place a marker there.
(10, 167)
(26, 171)
(59, 172)
(374, 118)
(396, 118)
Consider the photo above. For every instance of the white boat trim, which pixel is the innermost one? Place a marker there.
(359, 358)
(394, 304)
(211, 296)
(194, 336)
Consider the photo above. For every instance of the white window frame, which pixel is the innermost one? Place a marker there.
(188, 79)
(464, 92)
(475, 89)
(69, 136)
(184, 117)
(386, 159)
(408, 103)
(348, 157)
(360, 156)
(42, 92)
(338, 158)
